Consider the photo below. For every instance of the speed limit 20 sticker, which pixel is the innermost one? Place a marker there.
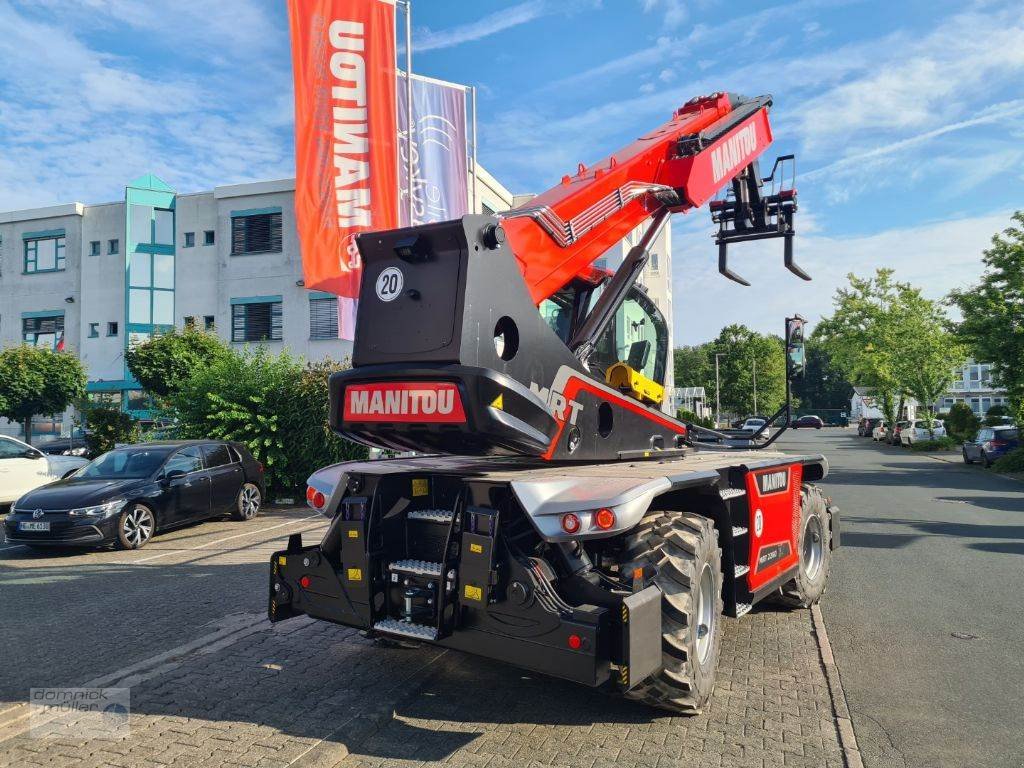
(389, 284)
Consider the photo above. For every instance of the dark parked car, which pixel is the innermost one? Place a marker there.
(72, 445)
(125, 496)
(808, 422)
(990, 444)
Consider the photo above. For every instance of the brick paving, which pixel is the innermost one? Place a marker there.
(311, 694)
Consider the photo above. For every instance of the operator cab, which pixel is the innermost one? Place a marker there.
(631, 353)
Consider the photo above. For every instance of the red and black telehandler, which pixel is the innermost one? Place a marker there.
(552, 516)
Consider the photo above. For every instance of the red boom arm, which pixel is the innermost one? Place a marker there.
(679, 166)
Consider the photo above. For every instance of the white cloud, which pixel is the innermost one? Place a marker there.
(933, 256)
(667, 75)
(428, 40)
(673, 12)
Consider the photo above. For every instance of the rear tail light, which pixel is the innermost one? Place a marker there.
(604, 519)
(310, 490)
(570, 523)
(575, 642)
(315, 498)
(304, 582)
(998, 443)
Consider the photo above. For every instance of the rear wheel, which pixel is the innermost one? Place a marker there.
(247, 505)
(684, 549)
(815, 548)
(985, 461)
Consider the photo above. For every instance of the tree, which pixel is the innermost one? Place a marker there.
(163, 364)
(694, 367)
(36, 380)
(823, 385)
(885, 335)
(746, 355)
(993, 312)
(995, 415)
(961, 422)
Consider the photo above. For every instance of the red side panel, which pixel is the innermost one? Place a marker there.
(774, 496)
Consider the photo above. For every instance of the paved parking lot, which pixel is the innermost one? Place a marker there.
(212, 683)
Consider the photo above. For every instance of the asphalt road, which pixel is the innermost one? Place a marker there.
(924, 605)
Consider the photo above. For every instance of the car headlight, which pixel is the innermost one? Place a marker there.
(76, 451)
(100, 510)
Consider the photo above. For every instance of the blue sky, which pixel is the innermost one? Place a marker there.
(907, 118)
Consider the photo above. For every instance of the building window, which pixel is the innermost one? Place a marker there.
(323, 318)
(190, 239)
(190, 322)
(111, 329)
(94, 330)
(45, 254)
(208, 237)
(94, 248)
(208, 322)
(113, 246)
(256, 320)
(654, 262)
(256, 233)
(163, 227)
(43, 331)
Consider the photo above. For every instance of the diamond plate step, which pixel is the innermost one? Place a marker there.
(406, 629)
(416, 567)
(738, 530)
(443, 516)
(731, 493)
(742, 570)
(743, 609)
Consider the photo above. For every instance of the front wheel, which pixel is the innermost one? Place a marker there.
(247, 505)
(683, 547)
(815, 548)
(966, 460)
(135, 527)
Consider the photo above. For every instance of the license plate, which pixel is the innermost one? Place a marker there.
(33, 526)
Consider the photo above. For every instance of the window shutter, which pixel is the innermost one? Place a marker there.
(256, 322)
(259, 233)
(323, 318)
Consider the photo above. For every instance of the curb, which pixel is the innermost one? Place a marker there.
(844, 723)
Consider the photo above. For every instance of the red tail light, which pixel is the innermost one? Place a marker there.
(575, 642)
(604, 519)
(304, 582)
(998, 443)
(310, 490)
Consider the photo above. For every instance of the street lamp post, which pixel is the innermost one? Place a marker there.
(755, 386)
(718, 405)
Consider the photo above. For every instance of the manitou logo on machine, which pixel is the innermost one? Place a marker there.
(773, 482)
(351, 148)
(421, 402)
(727, 159)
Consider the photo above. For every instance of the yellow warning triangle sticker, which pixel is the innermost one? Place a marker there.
(498, 402)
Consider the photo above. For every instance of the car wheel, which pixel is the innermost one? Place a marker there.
(247, 505)
(135, 527)
(966, 460)
(985, 462)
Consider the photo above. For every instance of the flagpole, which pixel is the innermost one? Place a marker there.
(408, 103)
(474, 148)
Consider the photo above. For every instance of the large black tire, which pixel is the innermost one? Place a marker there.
(814, 548)
(683, 547)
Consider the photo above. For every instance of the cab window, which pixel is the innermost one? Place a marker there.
(637, 336)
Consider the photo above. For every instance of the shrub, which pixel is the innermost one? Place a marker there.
(692, 418)
(273, 404)
(992, 417)
(938, 444)
(106, 428)
(1011, 462)
(961, 423)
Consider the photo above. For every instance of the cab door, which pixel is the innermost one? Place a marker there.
(22, 468)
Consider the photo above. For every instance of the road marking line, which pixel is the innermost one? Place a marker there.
(218, 541)
(844, 723)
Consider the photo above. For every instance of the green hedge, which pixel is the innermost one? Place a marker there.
(938, 444)
(1011, 462)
